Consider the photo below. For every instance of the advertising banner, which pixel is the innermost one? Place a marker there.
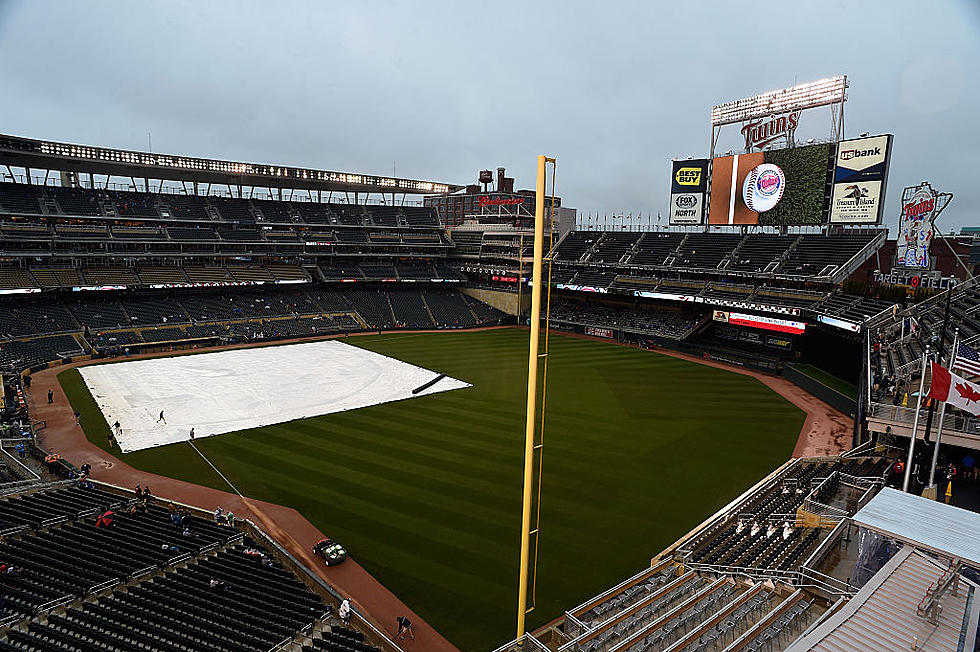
(758, 321)
(687, 208)
(839, 323)
(598, 332)
(688, 185)
(863, 159)
(856, 203)
(860, 174)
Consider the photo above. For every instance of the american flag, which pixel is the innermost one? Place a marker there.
(967, 361)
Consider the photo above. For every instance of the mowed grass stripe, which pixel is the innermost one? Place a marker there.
(375, 504)
(374, 474)
(426, 492)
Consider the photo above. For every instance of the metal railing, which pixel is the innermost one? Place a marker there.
(143, 571)
(823, 511)
(523, 644)
(810, 577)
(17, 487)
(821, 550)
(753, 572)
(861, 450)
(906, 415)
(31, 474)
(575, 627)
(102, 586)
(54, 604)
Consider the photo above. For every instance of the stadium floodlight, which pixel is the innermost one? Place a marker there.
(796, 98)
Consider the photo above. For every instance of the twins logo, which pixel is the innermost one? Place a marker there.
(764, 187)
(921, 205)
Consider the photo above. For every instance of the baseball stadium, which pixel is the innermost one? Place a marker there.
(268, 407)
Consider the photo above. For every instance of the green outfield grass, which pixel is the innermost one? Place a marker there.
(426, 493)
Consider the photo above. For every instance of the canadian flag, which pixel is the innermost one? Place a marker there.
(952, 389)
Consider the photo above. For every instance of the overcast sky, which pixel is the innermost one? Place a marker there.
(441, 90)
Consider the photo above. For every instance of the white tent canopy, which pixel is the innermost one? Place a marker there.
(926, 524)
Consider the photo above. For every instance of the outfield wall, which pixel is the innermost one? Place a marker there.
(511, 303)
(650, 341)
(829, 396)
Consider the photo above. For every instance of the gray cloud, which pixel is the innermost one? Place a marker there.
(614, 90)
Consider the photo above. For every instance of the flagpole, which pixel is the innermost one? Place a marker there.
(939, 358)
(915, 422)
(942, 411)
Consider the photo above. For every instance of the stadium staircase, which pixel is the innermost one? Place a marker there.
(428, 310)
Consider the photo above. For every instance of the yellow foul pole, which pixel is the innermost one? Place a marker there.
(532, 392)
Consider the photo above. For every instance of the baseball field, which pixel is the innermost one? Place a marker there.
(426, 493)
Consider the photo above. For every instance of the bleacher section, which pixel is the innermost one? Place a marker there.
(757, 252)
(613, 247)
(18, 278)
(790, 256)
(763, 531)
(574, 246)
(105, 321)
(653, 248)
(705, 250)
(813, 255)
(450, 311)
(625, 317)
(736, 583)
(60, 223)
(149, 578)
(903, 335)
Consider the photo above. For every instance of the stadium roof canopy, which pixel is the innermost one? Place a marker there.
(884, 614)
(927, 524)
(50, 155)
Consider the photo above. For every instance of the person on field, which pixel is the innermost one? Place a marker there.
(404, 627)
(162, 418)
(50, 396)
(78, 416)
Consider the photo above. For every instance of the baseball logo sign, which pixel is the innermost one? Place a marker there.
(763, 187)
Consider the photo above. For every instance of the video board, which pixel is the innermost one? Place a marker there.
(771, 188)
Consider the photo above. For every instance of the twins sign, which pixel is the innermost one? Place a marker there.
(921, 205)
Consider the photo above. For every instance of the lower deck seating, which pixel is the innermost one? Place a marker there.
(410, 310)
(107, 321)
(448, 309)
(372, 306)
(187, 584)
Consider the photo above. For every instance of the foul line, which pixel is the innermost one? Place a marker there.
(215, 469)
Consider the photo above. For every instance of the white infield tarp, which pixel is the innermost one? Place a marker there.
(215, 393)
